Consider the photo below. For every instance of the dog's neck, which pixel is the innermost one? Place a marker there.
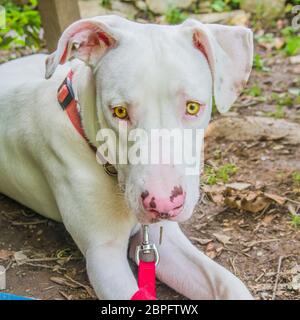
(85, 93)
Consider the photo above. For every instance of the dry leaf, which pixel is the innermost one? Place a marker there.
(5, 254)
(211, 254)
(237, 195)
(238, 185)
(215, 193)
(222, 238)
(292, 209)
(255, 205)
(20, 257)
(280, 200)
(268, 218)
(252, 201)
(63, 282)
(201, 241)
(295, 269)
(295, 283)
(252, 195)
(211, 250)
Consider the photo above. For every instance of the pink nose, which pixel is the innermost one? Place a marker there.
(164, 207)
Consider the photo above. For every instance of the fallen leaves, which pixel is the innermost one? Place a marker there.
(6, 254)
(20, 258)
(268, 219)
(295, 283)
(212, 248)
(252, 201)
(201, 241)
(278, 199)
(222, 238)
(211, 251)
(63, 282)
(238, 185)
(242, 196)
(274, 43)
(73, 284)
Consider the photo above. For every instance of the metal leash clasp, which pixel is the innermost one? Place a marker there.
(146, 248)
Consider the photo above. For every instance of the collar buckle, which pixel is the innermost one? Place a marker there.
(147, 249)
(65, 93)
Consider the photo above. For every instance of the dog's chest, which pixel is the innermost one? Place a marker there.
(135, 229)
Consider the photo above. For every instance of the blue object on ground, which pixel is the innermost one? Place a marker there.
(8, 296)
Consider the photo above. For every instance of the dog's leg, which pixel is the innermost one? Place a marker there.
(98, 220)
(105, 251)
(104, 244)
(190, 272)
(109, 271)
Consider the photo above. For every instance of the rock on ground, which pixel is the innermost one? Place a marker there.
(254, 128)
(161, 7)
(93, 8)
(266, 10)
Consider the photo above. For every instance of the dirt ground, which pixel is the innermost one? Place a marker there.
(260, 248)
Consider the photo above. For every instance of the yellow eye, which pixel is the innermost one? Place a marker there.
(192, 107)
(120, 112)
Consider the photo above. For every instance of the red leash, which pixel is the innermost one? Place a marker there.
(146, 270)
(146, 282)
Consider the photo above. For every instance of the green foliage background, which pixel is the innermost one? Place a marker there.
(23, 26)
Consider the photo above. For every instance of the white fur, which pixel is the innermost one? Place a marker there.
(47, 166)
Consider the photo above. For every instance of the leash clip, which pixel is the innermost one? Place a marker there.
(146, 248)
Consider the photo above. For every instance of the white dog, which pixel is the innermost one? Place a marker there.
(147, 76)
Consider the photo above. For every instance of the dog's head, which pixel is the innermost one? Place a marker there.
(158, 77)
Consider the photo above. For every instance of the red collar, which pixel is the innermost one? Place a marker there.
(66, 99)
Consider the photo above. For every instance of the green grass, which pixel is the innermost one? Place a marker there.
(282, 99)
(292, 46)
(292, 41)
(279, 113)
(225, 5)
(295, 220)
(106, 4)
(222, 174)
(175, 16)
(23, 26)
(296, 178)
(259, 63)
(218, 5)
(254, 91)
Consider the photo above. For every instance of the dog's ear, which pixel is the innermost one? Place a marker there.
(229, 51)
(87, 40)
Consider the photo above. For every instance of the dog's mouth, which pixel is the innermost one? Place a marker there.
(154, 216)
(167, 215)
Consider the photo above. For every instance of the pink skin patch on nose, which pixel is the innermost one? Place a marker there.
(164, 207)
